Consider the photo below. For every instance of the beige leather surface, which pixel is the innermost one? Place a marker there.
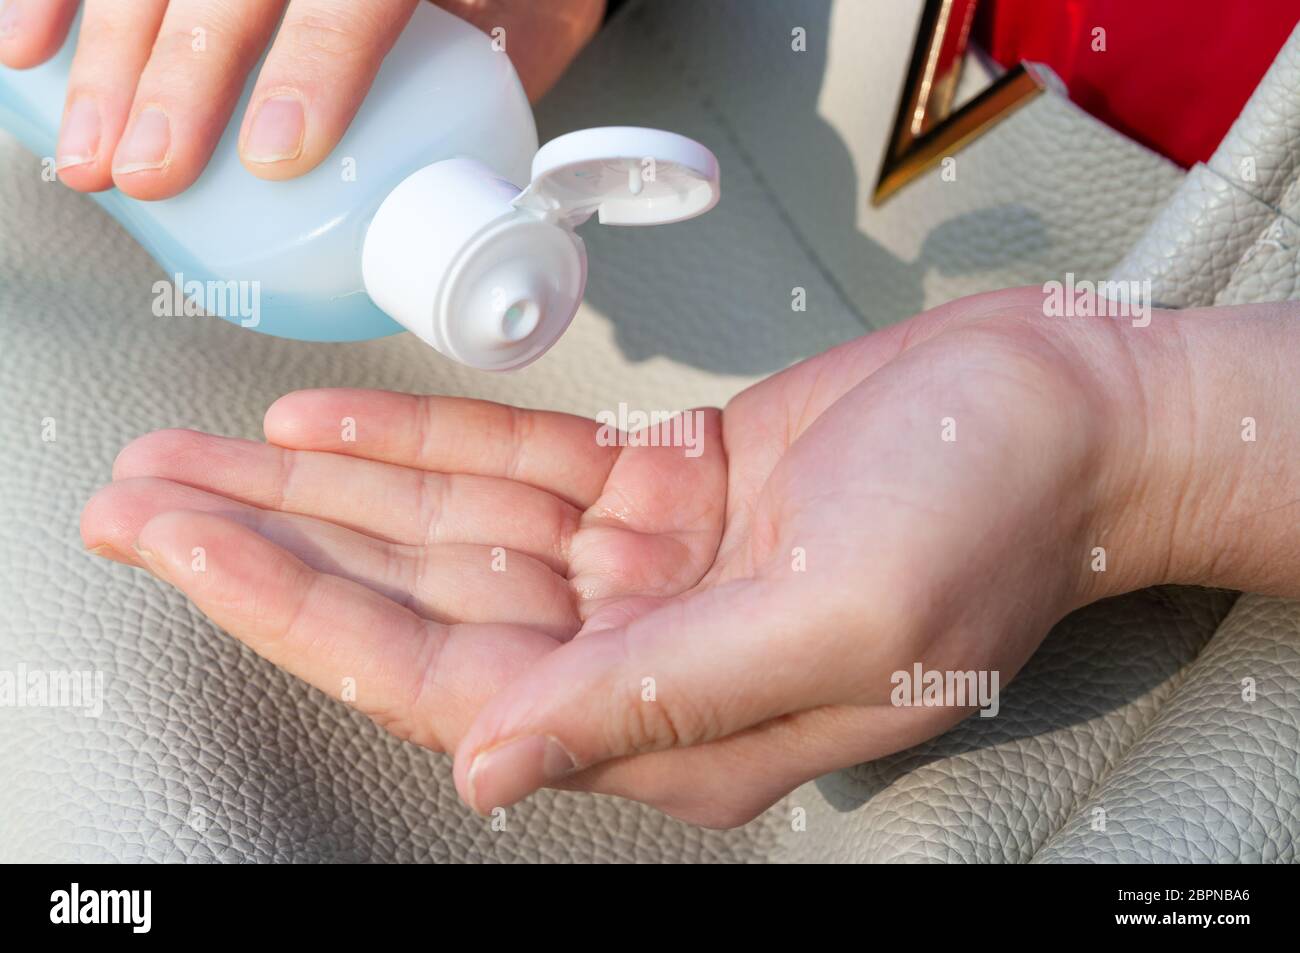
(995, 790)
(1214, 777)
(1234, 219)
(204, 752)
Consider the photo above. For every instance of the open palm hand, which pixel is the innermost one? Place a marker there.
(700, 628)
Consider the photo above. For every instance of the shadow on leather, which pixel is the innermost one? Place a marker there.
(1093, 665)
(716, 293)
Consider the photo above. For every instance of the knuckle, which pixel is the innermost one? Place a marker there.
(173, 47)
(432, 492)
(103, 30)
(644, 726)
(521, 427)
(411, 716)
(654, 725)
(327, 38)
(204, 50)
(645, 719)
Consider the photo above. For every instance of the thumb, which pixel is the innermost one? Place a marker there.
(696, 669)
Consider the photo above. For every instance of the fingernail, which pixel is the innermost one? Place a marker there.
(8, 20)
(146, 144)
(105, 551)
(147, 558)
(79, 140)
(510, 772)
(277, 131)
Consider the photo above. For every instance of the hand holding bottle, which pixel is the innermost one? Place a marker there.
(154, 82)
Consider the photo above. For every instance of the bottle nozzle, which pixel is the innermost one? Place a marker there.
(516, 317)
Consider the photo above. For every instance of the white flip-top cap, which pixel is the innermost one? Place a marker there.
(624, 175)
(491, 276)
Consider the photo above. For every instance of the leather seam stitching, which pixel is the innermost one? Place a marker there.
(1271, 206)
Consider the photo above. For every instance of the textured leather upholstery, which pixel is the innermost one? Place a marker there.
(204, 752)
(1214, 778)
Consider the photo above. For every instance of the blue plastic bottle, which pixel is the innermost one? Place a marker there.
(425, 188)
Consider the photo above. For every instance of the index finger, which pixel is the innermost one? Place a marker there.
(321, 65)
(559, 453)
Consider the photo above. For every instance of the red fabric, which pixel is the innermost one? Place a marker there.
(1174, 74)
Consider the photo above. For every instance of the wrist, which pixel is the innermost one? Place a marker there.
(1204, 478)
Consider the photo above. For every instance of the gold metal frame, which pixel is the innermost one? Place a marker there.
(926, 129)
